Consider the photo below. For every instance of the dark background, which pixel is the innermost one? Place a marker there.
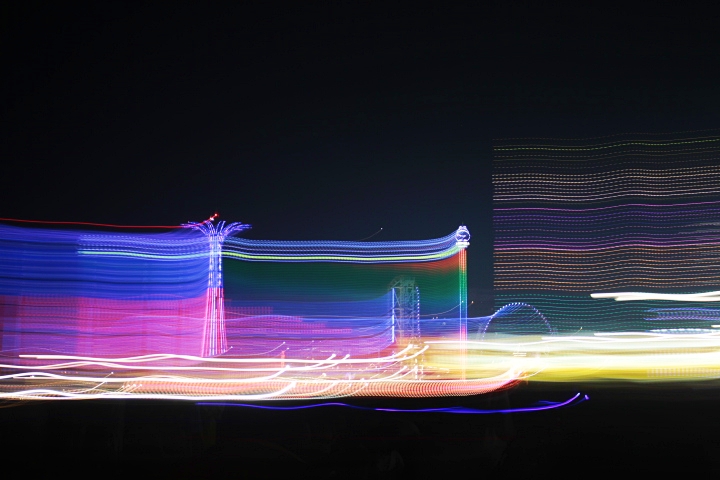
(330, 121)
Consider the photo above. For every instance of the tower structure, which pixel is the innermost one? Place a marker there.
(405, 311)
(214, 341)
(406, 317)
(462, 239)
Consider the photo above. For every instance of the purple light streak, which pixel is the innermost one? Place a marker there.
(577, 399)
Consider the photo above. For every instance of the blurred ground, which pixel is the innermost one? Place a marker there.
(628, 430)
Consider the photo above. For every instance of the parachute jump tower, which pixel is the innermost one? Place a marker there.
(214, 341)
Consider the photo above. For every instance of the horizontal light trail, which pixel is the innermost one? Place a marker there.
(576, 219)
(497, 362)
(620, 144)
(352, 252)
(545, 405)
(675, 297)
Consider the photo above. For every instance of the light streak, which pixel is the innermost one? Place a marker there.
(579, 223)
(608, 145)
(546, 405)
(193, 313)
(675, 297)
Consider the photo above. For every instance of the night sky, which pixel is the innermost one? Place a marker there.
(326, 121)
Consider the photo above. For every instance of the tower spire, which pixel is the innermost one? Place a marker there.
(462, 239)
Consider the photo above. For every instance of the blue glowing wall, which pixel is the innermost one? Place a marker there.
(187, 292)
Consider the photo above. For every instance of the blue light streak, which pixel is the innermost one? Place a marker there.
(577, 399)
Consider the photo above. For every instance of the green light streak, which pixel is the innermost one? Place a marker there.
(113, 253)
(342, 258)
(318, 258)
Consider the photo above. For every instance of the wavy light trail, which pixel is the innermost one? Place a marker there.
(545, 405)
(578, 220)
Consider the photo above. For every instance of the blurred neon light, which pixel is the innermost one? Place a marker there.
(96, 314)
(195, 314)
(676, 297)
(545, 405)
(214, 338)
